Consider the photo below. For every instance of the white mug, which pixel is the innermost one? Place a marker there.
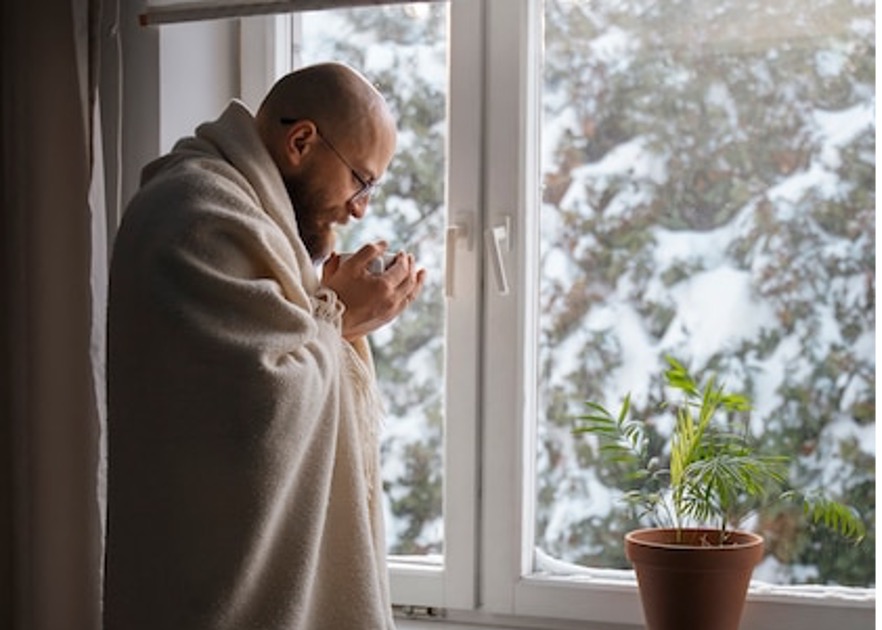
(376, 266)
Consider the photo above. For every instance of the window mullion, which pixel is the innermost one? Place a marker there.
(463, 288)
(511, 200)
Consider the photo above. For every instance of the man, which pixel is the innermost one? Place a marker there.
(244, 486)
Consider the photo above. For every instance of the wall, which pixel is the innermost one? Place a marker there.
(199, 74)
(174, 77)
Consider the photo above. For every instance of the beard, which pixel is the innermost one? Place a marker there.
(314, 219)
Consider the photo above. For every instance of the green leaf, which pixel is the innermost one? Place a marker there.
(713, 469)
(839, 517)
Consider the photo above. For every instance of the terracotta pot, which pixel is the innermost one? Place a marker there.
(692, 583)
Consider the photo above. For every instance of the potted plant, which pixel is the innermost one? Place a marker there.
(694, 566)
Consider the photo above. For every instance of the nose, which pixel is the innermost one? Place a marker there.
(358, 207)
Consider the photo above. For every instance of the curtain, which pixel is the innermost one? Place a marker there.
(56, 199)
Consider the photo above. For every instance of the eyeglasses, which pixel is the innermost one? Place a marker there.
(366, 185)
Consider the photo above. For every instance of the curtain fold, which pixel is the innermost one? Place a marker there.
(170, 11)
(53, 279)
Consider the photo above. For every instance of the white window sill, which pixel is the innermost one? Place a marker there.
(591, 599)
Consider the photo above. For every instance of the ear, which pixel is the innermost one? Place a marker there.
(299, 140)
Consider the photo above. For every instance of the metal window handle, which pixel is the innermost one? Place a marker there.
(498, 238)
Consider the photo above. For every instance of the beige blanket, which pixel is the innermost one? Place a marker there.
(243, 477)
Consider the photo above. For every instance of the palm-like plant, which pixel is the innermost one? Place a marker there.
(713, 468)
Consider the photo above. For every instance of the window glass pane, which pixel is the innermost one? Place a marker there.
(709, 193)
(403, 50)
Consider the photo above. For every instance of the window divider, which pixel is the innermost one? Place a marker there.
(508, 405)
(462, 490)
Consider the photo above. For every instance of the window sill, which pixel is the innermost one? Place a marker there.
(608, 600)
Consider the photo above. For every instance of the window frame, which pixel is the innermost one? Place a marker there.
(509, 584)
(453, 583)
(493, 181)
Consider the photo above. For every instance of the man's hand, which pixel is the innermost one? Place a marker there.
(372, 300)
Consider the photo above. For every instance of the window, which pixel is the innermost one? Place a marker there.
(404, 50)
(587, 178)
(708, 194)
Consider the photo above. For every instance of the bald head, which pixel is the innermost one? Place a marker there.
(339, 100)
(331, 135)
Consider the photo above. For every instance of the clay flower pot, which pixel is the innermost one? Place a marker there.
(692, 583)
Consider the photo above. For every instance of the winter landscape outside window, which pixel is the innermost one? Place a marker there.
(709, 193)
(403, 49)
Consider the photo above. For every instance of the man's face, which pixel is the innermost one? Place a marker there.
(318, 208)
(329, 188)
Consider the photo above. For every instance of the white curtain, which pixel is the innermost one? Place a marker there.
(59, 61)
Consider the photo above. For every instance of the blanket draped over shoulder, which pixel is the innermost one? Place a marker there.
(243, 488)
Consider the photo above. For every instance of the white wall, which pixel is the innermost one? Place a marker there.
(199, 74)
(174, 78)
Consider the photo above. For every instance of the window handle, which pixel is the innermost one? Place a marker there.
(498, 241)
(458, 230)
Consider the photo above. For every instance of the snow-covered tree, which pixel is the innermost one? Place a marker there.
(709, 192)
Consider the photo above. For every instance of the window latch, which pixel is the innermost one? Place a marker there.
(499, 242)
(403, 611)
(458, 230)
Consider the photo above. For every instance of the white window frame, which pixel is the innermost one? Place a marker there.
(487, 577)
(454, 585)
(269, 46)
(508, 584)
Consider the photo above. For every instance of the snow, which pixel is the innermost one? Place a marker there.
(715, 311)
(772, 571)
(553, 128)
(632, 158)
(673, 247)
(838, 128)
(717, 306)
(614, 46)
(639, 355)
(720, 304)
